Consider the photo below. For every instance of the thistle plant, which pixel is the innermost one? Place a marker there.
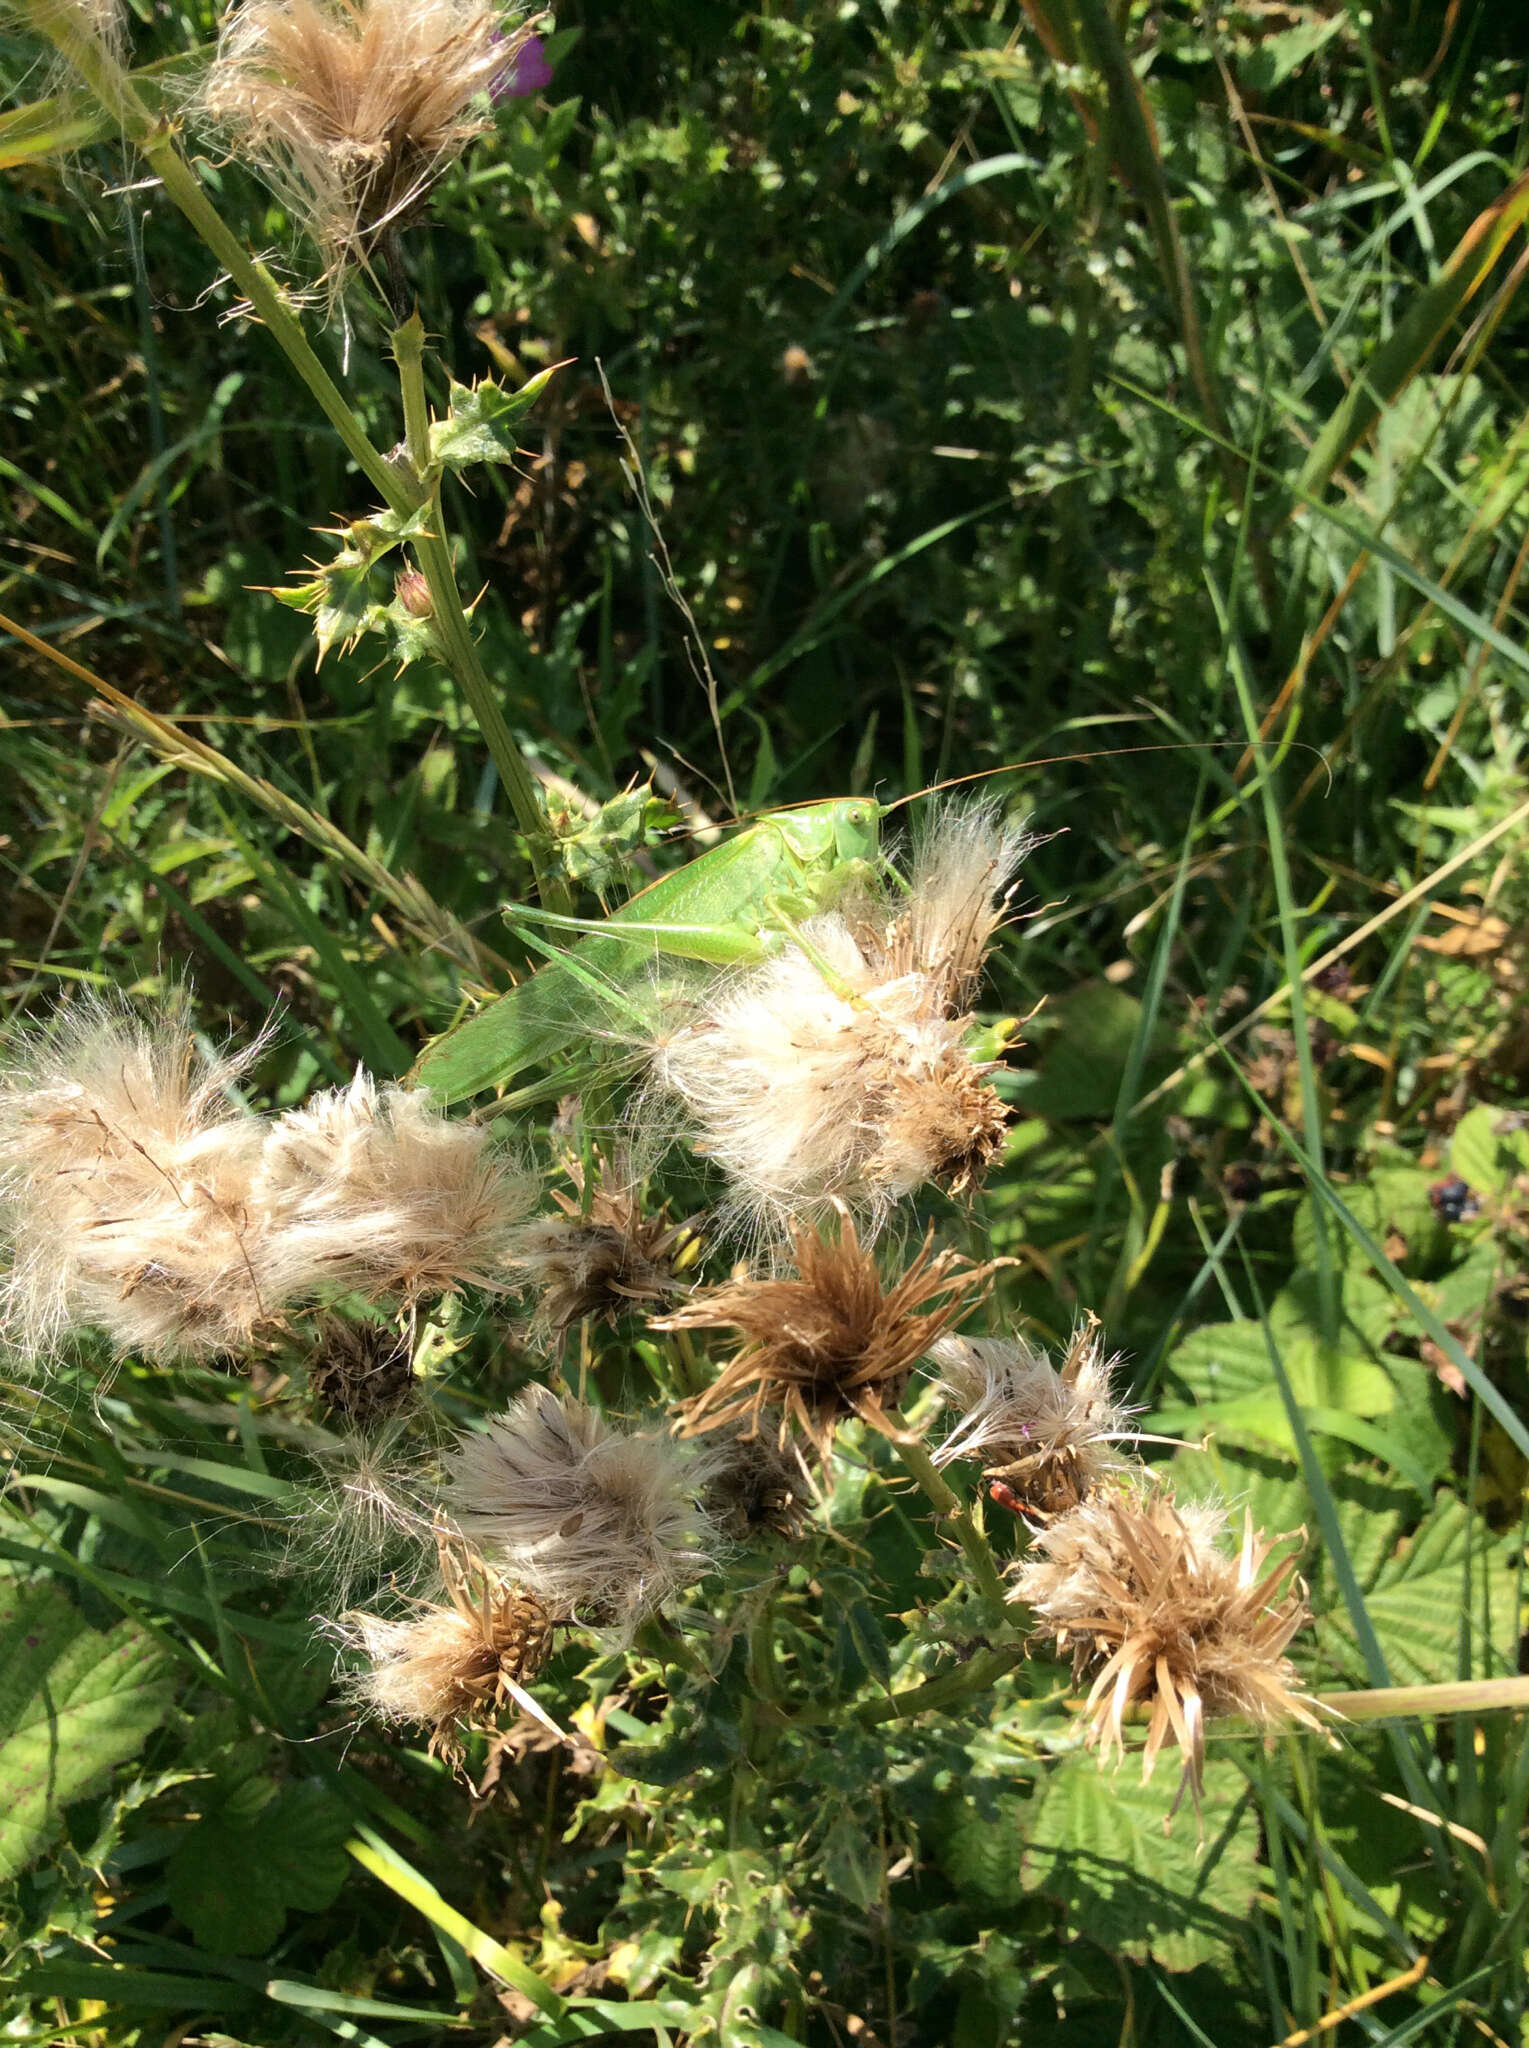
(704, 1411)
(822, 1074)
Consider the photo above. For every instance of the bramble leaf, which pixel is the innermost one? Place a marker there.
(239, 1870)
(74, 1703)
(1099, 1848)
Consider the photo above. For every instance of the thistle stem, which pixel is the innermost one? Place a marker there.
(112, 87)
(922, 1469)
(110, 84)
(977, 1674)
(454, 635)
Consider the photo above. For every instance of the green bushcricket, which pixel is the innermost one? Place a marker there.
(731, 904)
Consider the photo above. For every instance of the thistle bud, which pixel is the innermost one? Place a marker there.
(413, 593)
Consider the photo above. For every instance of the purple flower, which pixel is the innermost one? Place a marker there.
(527, 72)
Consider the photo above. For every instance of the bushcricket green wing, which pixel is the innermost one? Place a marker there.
(714, 908)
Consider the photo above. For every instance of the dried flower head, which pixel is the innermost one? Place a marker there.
(351, 109)
(836, 1070)
(754, 1485)
(452, 1665)
(1046, 1439)
(592, 1518)
(125, 1189)
(1136, 1584)
(362, 1372)
(603, 1260)
(376, 1189)
(837, 1340)
(955, 897)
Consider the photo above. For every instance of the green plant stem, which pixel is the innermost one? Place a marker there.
(113, 88)
(921, 1467)
(402, 493)
(978, 1674)
(452, 632)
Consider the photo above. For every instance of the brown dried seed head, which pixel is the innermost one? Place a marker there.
(834, 1341)
(361, 1371)
(452, 1665)
(605, 1261)
(754, 1486)
(1137, 1587)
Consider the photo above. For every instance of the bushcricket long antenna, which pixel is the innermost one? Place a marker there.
(695, 645)
(1095, 754)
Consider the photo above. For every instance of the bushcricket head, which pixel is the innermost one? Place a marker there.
(832, 834)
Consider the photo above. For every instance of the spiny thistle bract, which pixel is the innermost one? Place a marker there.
(126, 1163)
(450, 1665)
(836, 1070)
(362, 1372)
(1044, 1438)
(1136, 1586)
(599, 1521)
(603, 1260)
(351, 109)
(376, 1189)
(836, 1340)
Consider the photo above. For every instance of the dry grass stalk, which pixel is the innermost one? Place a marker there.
(351, 109)
(836, 1070)
(1045, 1438)
(453, 1664)
(594, 1519)
(1136, 1586)
(836, 1340)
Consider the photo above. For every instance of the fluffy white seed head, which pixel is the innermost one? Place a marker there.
(1050, 1437)
(450, 1663)
(594, 1519)
(375, 1189)
(958, 886)
(809, 1079)
(836, 1070)
(125, 1173)
(351, 109)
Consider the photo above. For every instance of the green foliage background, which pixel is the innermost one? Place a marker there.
(991, 422)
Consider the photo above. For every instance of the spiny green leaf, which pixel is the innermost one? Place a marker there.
(478, 426)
